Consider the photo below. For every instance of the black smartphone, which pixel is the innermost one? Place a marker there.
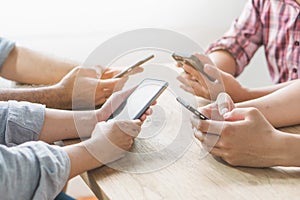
(192, 61)
(191, 108)
(127, 70)
(134, 106)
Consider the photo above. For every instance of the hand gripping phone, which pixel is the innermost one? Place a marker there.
(134, 106)
(129, 69)
(190, 108)
(192, 61)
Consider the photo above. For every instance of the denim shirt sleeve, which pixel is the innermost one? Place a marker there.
(20, 122)
(33, 170)
(5, 48)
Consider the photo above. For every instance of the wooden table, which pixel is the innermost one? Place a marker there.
(194, 177)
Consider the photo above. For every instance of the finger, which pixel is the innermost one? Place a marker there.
(99, 70)
(179, 64)
(217, 152)
(131, 128)
(198, 134)
(208, 141)
(121, 83)
(213, 72)
(102, 96)
(193, 87)
(199, 90)
(90, 72)
(148, 111)
(143, 118)
(107, 92)
(110, 73)
(100, 101)
(225, 103)
(211, 140)
(208, 110)
(187, 89)
(108, 83)
(136, 70)
(137, 122)
(238, 114)
(195, 73)
(208, 126)
(183, 78)
(154, 103)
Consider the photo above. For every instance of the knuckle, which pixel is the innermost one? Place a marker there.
(227, 130)
(201, 126)
(253, 111)
(230, 159)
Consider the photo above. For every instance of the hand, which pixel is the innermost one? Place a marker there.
(82, 87)
(217, 109)
(114, 102)
(246, 138)
(111, 140)
(196, 83)
(111, 72)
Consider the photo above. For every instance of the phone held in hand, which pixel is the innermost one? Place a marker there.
(135, 105)
(192, 109)
(129, 69)
(192, 61)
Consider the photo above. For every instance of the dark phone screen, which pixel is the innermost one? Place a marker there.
(141, 98)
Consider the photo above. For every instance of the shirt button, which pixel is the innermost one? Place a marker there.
(295, 70)
(296, 43)
(247, 35)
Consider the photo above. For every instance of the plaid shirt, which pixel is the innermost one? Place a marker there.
(275, 24)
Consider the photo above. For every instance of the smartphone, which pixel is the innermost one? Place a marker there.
(190, 108)
(134, 106)
(127, 70)
(192, 61)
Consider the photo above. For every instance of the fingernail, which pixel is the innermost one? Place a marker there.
(207, 66)
(226, 115)
(223, 111)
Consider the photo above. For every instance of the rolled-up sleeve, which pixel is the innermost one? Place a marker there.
(33, 170)
(20, 122)
(243, 38)
(5, 48)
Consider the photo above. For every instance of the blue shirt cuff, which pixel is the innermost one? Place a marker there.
(5, 48)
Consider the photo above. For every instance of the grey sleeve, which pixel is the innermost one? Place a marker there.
(20, 122)
(5, 48)
(33, 170)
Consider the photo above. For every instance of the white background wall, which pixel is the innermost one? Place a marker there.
(72, 29)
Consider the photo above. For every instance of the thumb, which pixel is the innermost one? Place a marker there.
(131, 128)
(90, 72)
(224, 103)
(213, 71)
(237, 114)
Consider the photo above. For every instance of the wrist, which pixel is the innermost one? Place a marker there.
(62, 99)
(80, 158)
(237, 92)
(290, 150)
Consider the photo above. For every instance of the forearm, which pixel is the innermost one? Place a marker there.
(281, 107)
(290, 150)
(81, 159)
(62, 124)
(224, 61)
(27, 66)
(254, 93)
(53, 96)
